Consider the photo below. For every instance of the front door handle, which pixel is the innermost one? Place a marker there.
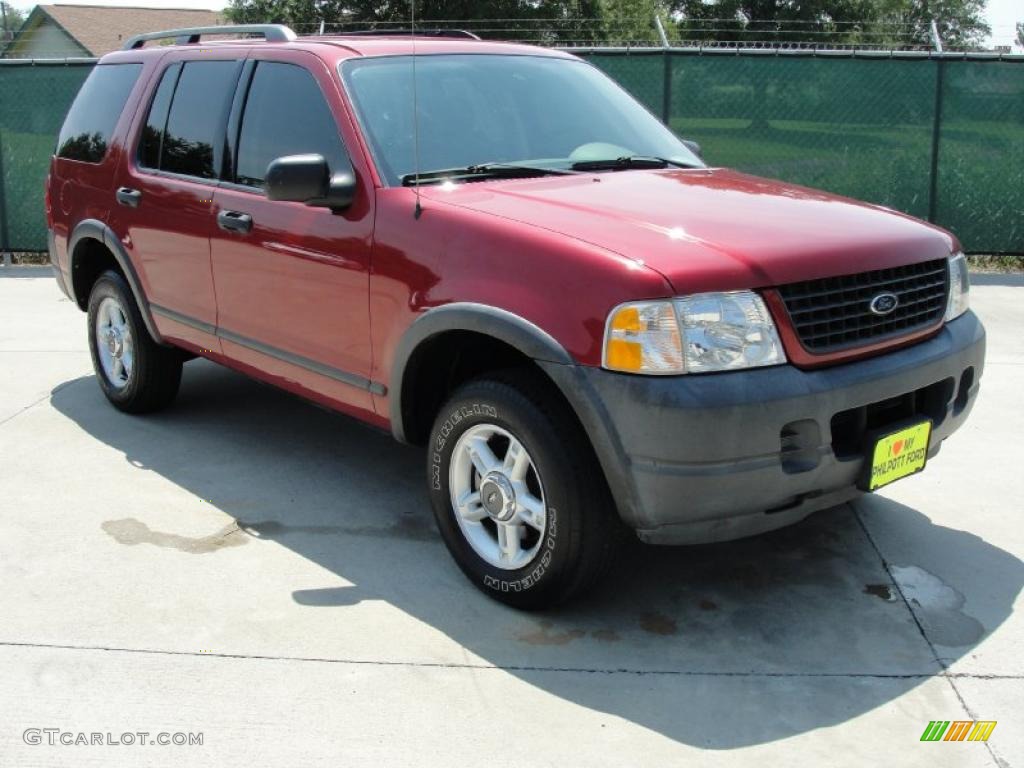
(129, 197)
(234, 221)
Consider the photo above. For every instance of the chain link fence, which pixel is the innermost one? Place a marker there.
(34, 97)
(938, 137)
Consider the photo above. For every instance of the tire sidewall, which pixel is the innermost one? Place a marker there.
(111, 285)
(479, 404)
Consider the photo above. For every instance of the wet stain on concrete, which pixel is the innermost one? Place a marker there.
(605, 635)
(412, 528)
(658, 624)
(938, 607)
(883, 591)
(131, 532)
(544, 634)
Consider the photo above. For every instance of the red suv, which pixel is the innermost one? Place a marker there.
(492, 250)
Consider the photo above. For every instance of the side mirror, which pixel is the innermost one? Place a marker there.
(694, 147)
(307, 179)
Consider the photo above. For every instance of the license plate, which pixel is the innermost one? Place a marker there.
(898, 454)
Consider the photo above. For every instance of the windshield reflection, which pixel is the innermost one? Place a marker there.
(487, 109)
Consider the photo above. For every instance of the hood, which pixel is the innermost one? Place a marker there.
(710, 229)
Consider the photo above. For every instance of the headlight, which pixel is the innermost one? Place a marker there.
(728, 331)
(959, 287)
(693, 334)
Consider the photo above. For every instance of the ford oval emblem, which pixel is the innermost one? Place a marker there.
(884, 303)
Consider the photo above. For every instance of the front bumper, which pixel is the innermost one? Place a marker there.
(713, 457)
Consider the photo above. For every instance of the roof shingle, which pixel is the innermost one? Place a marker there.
(102, 28)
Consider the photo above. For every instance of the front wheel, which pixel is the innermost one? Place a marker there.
(517, 492)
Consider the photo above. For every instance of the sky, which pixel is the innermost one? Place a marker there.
(1002, 14)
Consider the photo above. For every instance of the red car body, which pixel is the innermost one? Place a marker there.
(322, 303)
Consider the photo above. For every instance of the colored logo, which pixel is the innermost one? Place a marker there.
(898, 446)
(884, 303)
(958, 730)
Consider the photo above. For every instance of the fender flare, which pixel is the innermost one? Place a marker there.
(550, 356)
(93, 229)
(518, 332)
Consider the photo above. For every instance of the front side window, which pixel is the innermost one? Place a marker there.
(192, 142)
(285, 114)
(93, 115)
(476, 109)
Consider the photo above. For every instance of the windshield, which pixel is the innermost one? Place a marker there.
(476, 109)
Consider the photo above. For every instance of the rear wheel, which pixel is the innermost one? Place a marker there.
(135, 373)
(517, 493)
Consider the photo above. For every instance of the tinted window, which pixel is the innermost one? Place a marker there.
(285, 114)
(93, 115)
(153, 131)
(193, 142)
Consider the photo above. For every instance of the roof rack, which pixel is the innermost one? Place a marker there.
(272, 33)
(407, 31)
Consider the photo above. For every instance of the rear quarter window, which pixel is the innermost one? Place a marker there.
(87, 129)
(156, 123)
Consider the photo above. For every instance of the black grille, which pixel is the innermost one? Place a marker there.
(835, 313)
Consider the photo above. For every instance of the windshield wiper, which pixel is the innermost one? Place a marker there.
(627, 162)
(482, 171)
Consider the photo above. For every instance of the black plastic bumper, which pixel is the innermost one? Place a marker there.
(719, 456)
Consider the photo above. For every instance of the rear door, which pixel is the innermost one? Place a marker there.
(165, 191)
(292, 285)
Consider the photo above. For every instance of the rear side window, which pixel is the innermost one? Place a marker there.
(192, 140)
(93, 115)
(285, 114)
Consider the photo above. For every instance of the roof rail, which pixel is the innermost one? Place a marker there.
(272, 33)
(407, 31)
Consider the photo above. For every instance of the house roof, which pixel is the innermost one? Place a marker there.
(101, 29)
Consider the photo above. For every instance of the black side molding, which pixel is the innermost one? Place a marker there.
(352, 379)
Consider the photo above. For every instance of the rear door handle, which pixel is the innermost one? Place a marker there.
(128, 196)
(234, 221)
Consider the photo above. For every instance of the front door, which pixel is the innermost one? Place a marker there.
(292, 280)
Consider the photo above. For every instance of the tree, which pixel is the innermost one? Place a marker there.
(1020, 33)
(11, 20)
(874, 23)
(821, 22)
(870, 23)
(632, 21)
(295, 13)
(961, 23)
(557, 19)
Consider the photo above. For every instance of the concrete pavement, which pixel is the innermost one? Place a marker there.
(248, 566)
